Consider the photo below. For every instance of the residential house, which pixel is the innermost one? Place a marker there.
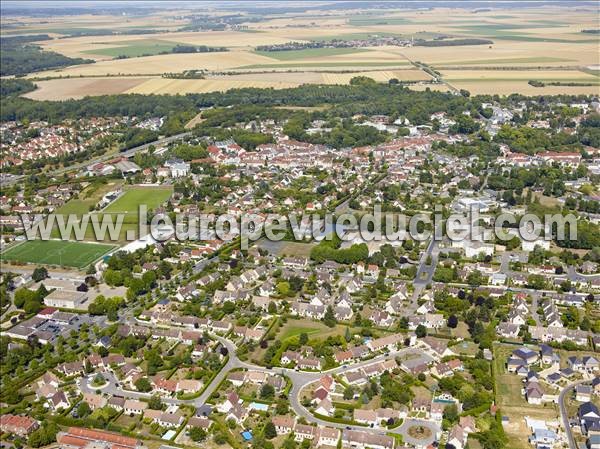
(18, 425)
(134, 407)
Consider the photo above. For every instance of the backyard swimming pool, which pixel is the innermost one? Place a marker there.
(258, 406)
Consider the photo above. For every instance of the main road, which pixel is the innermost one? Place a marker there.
(426, 270)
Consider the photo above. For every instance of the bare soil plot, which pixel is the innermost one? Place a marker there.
(194, 121)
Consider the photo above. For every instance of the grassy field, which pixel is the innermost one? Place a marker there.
(283, 248)
(512, 402)
(297, 327)
(309, 53)
(57, 252)
(134, 48)
(314, 329)
(90, 196)
(128, 202)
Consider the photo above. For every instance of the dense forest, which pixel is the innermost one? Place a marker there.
(15, 87)
(19, 56)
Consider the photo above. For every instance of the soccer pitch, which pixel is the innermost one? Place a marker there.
(57, 252)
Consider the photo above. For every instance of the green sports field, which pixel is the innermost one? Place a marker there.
(57, 252)
(128, 203)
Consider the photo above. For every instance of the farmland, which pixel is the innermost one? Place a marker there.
(310, 53)
(134, 49)
(76, 88)
(526, 45)
(506, 82)
(56, 252)
(60, 89)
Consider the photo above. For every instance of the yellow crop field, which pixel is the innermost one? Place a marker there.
(63, 89)
(423, 86)
(516, 81)
(507, 87)
(66, 88)
(157, 65)
(525, 44)
(507, 53)
(380, 76)
(501, 75)
(178, 86)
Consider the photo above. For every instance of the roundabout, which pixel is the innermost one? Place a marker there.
(419, 432)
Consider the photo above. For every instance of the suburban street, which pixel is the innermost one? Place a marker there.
(299, 379)
(425, 271)
(563, 411)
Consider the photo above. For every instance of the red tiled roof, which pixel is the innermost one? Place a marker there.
(99, 435)
(72, 441)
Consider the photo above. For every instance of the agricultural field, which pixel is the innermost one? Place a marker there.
(61, 89)
(178, 86)
(382, 76)
(526, 45)
(294, 55)
(76, 88)
(65, 88)
(516, 81)
(57, 252)
(134, 49)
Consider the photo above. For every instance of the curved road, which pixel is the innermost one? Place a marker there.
(299, 379)
(564, 414)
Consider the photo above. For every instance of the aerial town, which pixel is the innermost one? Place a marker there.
(117, 340)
